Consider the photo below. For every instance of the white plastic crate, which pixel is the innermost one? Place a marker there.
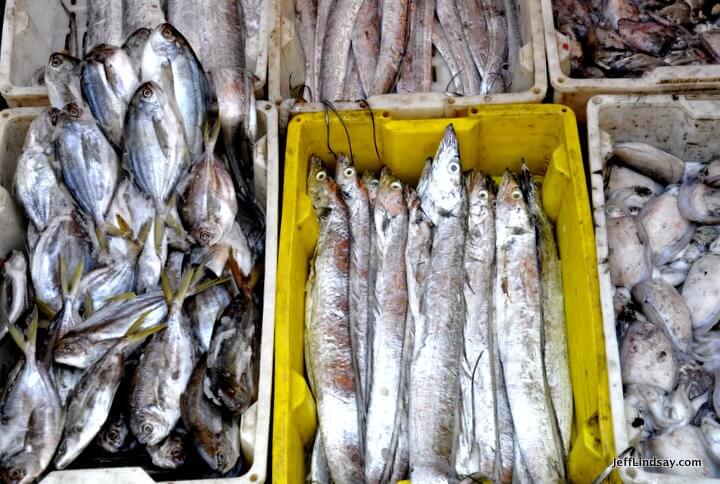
(255, 424)
(286, 68)
(34, 29)
(689, 128)
(575, 92)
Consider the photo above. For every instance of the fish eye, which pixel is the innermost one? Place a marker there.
(516, 194)
(321, 176)
(176, 453)
(147, 92)
(483, 195)
(113, 435)
(73, 111)
(56, 61)
(396, 185)
(349, 171)
(167, 33)
(68, 348)
(221, 458)
(454, 167)
(147, 428)
(16, 473)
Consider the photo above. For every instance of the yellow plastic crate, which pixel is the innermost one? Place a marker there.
(491, 139)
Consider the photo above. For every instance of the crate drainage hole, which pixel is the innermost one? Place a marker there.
(386, 114)
(254, 477)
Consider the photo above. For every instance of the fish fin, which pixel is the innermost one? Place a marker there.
(114, 231)
(88, 305)
(207, 285)
(101, 238)
(63, 276)
(182, 291)
(123, 296)
(211, 131)
(145, 231)
(159, 232)
(137, 324)
(199, 272)
(17, 336)
(166, 289)
(4, 317)
(140, 335)
(123, 225)
(45, 309)
(77, 276)
(32, 333)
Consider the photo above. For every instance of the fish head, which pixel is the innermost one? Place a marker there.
(236, 393)
(321, 187)
(171, 453)
(441, 190)
(22, 468)
(74, 350)
(511, 195)
(113, 436)
(148, 98)
(151, 426)
(390, 194)
(481, 190)
(220, 454)
(208, 232)
(166, 41)
(72, 113)
(61, 66)
(137, 39)
(347, 178)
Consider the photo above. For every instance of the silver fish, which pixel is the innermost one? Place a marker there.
(31, 402)
(305, 15)
(388, 311)
(166, 363)
(108, 83)
(492, 73)
(356, 198)
(131, 207)
(64, 239)
(557, 369)
(434, 377)
(232, 363)
(442, 45)
(216, 437)
(518, 307)
(321, 23)
(134, 47)
(36, 182)
(155, 150)
(170, 453)
(423, 48)
(170, 62)
(90, 166)
(204, 310)
(450, 20)
(251, 13)
(89, 404)
(62, 78)
(104, 23)
(209, 203)
(319, 470)
(88, 342)
(478, 439)
(394, 27)
(336, 48)
(141, 14)
(328, 332)
(366, 44)
(152, 257)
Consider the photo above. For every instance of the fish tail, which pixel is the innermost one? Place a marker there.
(124, 296)
(211, 132)
(101, 237)
(135, 331)
(45, 309)
(88, 306)
(182, 292)
(26, 345)
(159, 232)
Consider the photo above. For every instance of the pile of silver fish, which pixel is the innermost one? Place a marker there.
(434, 320)
(663, 235)
(134, 305)
(628, 38)
(358, 48)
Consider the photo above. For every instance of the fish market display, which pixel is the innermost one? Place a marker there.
(459, 281)
(136, 303)
(665, 267)
(628, 38)
(354, 49)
